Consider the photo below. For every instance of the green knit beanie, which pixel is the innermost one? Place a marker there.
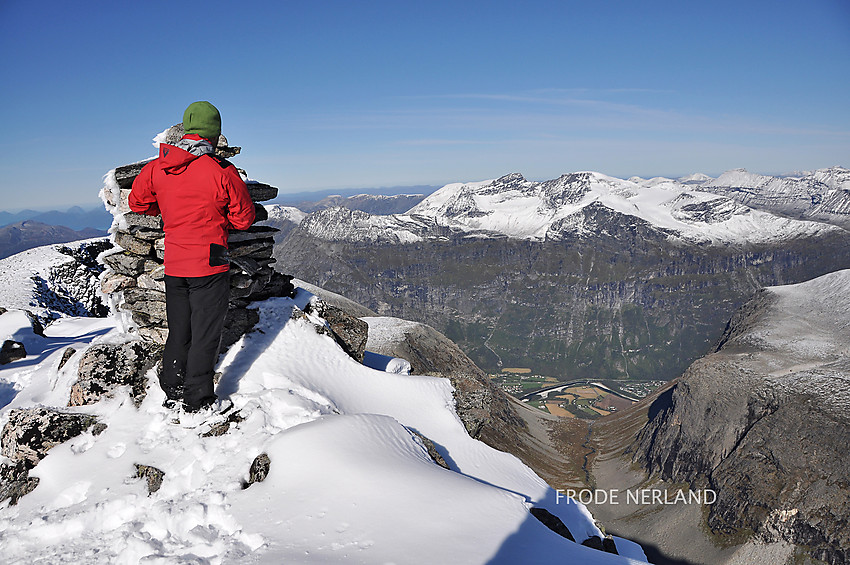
(202, 118)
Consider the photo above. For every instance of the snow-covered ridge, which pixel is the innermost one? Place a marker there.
(518, 208)
(833, 178)
(51, 283)
(822, 195)
(279, 213)
(828, 333)
(343, 224)
(349, 480)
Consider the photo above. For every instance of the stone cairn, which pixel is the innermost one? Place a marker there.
(134, 276)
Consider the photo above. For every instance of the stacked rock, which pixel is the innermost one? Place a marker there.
(135, 276)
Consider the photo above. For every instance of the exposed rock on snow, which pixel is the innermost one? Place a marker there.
(105, 367)
(153, 476)
(328, 297)
(259, 470)
(552, 522)
(351, 333)
(29, 433)
(66, 356)
(55, 280)
(432, 450)
(15, 482)
(12, 351)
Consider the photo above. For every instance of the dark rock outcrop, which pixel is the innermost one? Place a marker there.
(609, 546)
(432, 450)
(12, 351)
(66, 356)
(26, 438)
(31, 432)
(763, 421)
(593, 542)
(347, 331)
(222, 428)
(70, 287)
(105, 367)
(15, 481)
(350, 332)
(552, 522)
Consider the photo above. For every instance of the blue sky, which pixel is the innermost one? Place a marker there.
(338, 94)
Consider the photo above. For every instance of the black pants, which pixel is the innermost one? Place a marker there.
(196, 307)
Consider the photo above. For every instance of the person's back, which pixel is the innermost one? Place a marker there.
(200, 197)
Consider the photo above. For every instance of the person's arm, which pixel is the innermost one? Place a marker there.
(240, 210)
(142, 198)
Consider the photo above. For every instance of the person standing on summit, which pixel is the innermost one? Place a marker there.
(200, 197)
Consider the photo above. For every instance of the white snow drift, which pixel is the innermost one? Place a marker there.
(349, 482)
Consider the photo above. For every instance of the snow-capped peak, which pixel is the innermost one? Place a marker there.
(696, 178)
(741, 177)
(518, 208)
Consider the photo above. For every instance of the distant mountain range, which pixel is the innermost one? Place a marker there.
(822, 195)
(75, 218)
(26, 229)
(378, 204)
(585, 275)
(388, 200)
(25, 235)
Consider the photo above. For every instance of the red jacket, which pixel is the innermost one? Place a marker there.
(200, 198)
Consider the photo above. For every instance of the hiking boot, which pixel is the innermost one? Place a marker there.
(208, 414)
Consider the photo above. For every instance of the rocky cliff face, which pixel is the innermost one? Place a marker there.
(763, 421)
(622, 300)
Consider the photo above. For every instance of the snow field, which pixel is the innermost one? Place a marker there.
(349, 482)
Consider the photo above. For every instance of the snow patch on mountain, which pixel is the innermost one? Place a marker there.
(278, 214)
(522, 209)
(824, 339)
(696, 178)
(353, 225)
(822, 195)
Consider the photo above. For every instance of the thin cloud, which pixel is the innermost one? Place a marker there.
(590, 116)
